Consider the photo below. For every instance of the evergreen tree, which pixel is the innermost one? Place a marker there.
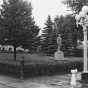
(66, 26)
(17, 23)
(49, 37)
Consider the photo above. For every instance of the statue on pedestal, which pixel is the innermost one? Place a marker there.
(58, 55)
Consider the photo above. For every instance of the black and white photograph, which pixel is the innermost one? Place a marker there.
(43, 44)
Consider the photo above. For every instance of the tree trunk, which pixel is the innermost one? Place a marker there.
(14, 53)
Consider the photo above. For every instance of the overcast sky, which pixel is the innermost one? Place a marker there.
(43, 8)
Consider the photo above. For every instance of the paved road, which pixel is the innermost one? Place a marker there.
(58, 81)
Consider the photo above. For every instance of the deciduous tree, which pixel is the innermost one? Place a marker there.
(17, 23)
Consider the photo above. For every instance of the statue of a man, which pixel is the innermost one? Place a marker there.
(59, 40)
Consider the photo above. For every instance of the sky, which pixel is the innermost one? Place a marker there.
(43, 8)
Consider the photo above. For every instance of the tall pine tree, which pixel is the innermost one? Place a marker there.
(49, 37)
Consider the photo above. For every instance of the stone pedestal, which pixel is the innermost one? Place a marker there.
(59, 55)
(84, 76)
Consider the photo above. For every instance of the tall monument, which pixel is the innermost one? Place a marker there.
(58, 55)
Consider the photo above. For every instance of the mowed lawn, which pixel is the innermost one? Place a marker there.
(35, 64)
(34, 58)
(28, 58)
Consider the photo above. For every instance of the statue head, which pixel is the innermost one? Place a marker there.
(59, 35)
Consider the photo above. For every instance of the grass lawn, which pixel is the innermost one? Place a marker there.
(35, 64)
(34, 58)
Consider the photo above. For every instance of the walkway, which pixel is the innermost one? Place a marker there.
(58, 81)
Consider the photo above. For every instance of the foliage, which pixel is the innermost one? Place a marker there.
(66, 26)
(49, 37)
(17, 23)
(76, 5)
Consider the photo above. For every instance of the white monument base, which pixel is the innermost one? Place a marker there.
(59, 55)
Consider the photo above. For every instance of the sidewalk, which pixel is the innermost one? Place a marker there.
(38, 82)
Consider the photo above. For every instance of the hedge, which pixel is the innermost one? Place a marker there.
(37, 69)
